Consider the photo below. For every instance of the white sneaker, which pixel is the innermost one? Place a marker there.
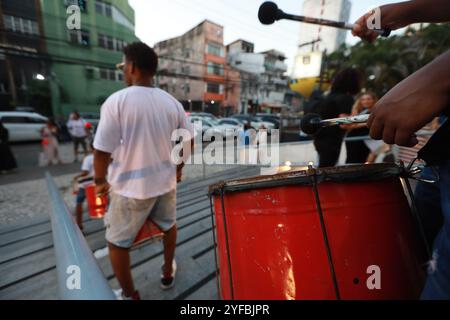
(168, 282)
(119, 295)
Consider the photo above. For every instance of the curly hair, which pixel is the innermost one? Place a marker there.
(347, 81)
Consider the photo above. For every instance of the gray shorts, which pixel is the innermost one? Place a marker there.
(126, 216)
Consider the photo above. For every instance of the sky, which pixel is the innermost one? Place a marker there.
(158, 20)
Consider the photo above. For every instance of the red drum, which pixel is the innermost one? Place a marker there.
(96, 205)
(334, 233)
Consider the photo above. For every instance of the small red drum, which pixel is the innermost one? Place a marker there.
(333, 233)
(149, 232)
(96, 205)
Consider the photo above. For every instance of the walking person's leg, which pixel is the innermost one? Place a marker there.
(76, 142)
(84, 145)
(124, 219)
(120, 261)
(170, 244)
(163, 215)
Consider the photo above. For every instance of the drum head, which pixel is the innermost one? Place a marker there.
(344, 174)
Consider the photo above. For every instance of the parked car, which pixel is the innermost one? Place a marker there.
(203, 115)
(24, 109)
(272, 118)
(255, 122)
(225, 130)
(23, 126)
(232, 122)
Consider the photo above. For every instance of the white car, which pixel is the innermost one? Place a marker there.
(213, 126)
(23, 126)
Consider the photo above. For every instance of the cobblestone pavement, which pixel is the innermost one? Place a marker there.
(27, 200)
(24, 196)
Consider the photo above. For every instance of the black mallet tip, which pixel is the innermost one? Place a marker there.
(310, 123)
(268, 12)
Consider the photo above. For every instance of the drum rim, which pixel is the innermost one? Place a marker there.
(347, 173)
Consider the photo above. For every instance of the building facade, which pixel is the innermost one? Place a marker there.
(22, 55)
(193, 69)
(263, 81)
(83, 71)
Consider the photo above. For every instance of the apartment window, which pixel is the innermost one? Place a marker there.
(79, 3)
(103, 8)
(80, 37)
(111, 75)
(186, 70)
(110, 43)
(214, 88)
(108, 74)
(215, 49)
(21, 25)
(214, 68)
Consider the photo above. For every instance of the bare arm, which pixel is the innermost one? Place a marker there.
(412, 104)
(398, 15)
(101, 163)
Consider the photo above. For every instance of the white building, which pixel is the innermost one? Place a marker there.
(262, 74)
(331, 38)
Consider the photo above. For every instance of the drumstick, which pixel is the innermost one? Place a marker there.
(311, 123)
(269, 13)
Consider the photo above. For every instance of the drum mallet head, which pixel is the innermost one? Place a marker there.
(311, 123)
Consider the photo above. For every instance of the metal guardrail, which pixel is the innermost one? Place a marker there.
(79, 276)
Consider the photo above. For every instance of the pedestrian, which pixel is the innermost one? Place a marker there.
(328, 140)
(78, 132)
(136, 125)
(7, 159)
(405, 109)
(49, 134)
(83, 179)
(362, 150)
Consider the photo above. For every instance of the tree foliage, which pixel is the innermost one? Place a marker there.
(388, 61)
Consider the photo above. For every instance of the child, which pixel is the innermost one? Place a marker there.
(85, 178)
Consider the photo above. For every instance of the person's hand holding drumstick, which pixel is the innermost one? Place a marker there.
(425, 94)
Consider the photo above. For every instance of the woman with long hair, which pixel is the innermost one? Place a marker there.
(50, 144)
(359, 151)
(328, 140)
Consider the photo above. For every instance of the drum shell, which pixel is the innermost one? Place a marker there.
(272, 245)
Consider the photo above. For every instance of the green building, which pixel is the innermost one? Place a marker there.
(83, 61)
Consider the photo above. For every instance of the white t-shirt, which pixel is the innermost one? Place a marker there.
(77, 128)
(88, 165)
(136, 126)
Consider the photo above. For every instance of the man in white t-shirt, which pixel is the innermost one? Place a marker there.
(78, 132)
(135, 130)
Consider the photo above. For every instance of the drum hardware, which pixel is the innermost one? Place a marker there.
(215, 244)
(227, 243)
(413, 171)
(312, 172)
(409, 174)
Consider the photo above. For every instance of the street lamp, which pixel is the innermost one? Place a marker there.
(54, 91)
